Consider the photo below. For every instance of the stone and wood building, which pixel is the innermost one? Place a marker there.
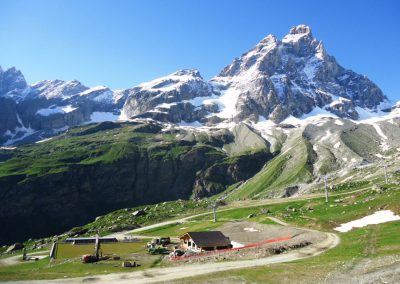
(205, 241)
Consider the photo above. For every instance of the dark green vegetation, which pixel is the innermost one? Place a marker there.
(49, 187)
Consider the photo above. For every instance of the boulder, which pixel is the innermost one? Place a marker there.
(127, 264)
(138, 213)
(15, 247)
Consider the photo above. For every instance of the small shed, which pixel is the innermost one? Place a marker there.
(205, 241)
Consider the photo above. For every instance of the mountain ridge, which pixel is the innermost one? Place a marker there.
(274, 80)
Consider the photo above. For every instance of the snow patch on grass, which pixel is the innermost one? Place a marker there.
(378, 217)
(44, 140)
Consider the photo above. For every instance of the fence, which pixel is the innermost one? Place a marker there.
(175, 258)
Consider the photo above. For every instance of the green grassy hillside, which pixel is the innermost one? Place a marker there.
(294, 165)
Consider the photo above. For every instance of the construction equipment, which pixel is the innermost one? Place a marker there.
(163, 241)
(88, 258)
(158, 250)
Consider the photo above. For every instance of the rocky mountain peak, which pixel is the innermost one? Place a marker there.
(300, 29)
(268, 40)
(167, 97)
(190, 72)
(12, 83)
(277, 79)
(274, 80)
(51, 89)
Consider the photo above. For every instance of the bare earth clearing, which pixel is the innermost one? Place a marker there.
(248, 233)
(16, 259)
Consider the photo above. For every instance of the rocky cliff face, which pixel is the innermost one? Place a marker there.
(172, 93)
(214, 179)
(46, 188)
(13, 84)
(48, 205)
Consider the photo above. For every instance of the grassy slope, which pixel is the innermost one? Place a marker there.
(79, 146)
(67, 263)
(71, 148)
(369, 242)
(155, 213)
(359, 244)
(291, 167)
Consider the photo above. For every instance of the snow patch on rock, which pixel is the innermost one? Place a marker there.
(101, 116)
(55, 109)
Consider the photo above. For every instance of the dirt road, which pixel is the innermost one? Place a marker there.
(16, 259)
(232, 206)
(154, 275)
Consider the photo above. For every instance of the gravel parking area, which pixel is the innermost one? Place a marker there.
(246, 233)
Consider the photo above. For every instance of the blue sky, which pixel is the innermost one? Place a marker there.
(122, 43)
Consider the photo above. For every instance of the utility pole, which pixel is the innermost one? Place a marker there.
(385, 165)
(326, 188)
(215, 211)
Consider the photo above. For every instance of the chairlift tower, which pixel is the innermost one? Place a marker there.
(325, 177)
(385, 166)
(215, 211)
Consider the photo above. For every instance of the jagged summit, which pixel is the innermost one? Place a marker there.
(275, 80)
(13, 84)
(300, 29)
(190, 72)
(58, 88)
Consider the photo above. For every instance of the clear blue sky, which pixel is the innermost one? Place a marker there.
(122, 43)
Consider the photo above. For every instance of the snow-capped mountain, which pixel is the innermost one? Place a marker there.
(29, 113)
(277, 80)
(13, 84)
(170, 98)
(274, 80)
(292, 76)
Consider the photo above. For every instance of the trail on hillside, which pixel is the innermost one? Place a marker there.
(235, 205)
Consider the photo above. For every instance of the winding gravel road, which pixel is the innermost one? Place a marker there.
(154, 275)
